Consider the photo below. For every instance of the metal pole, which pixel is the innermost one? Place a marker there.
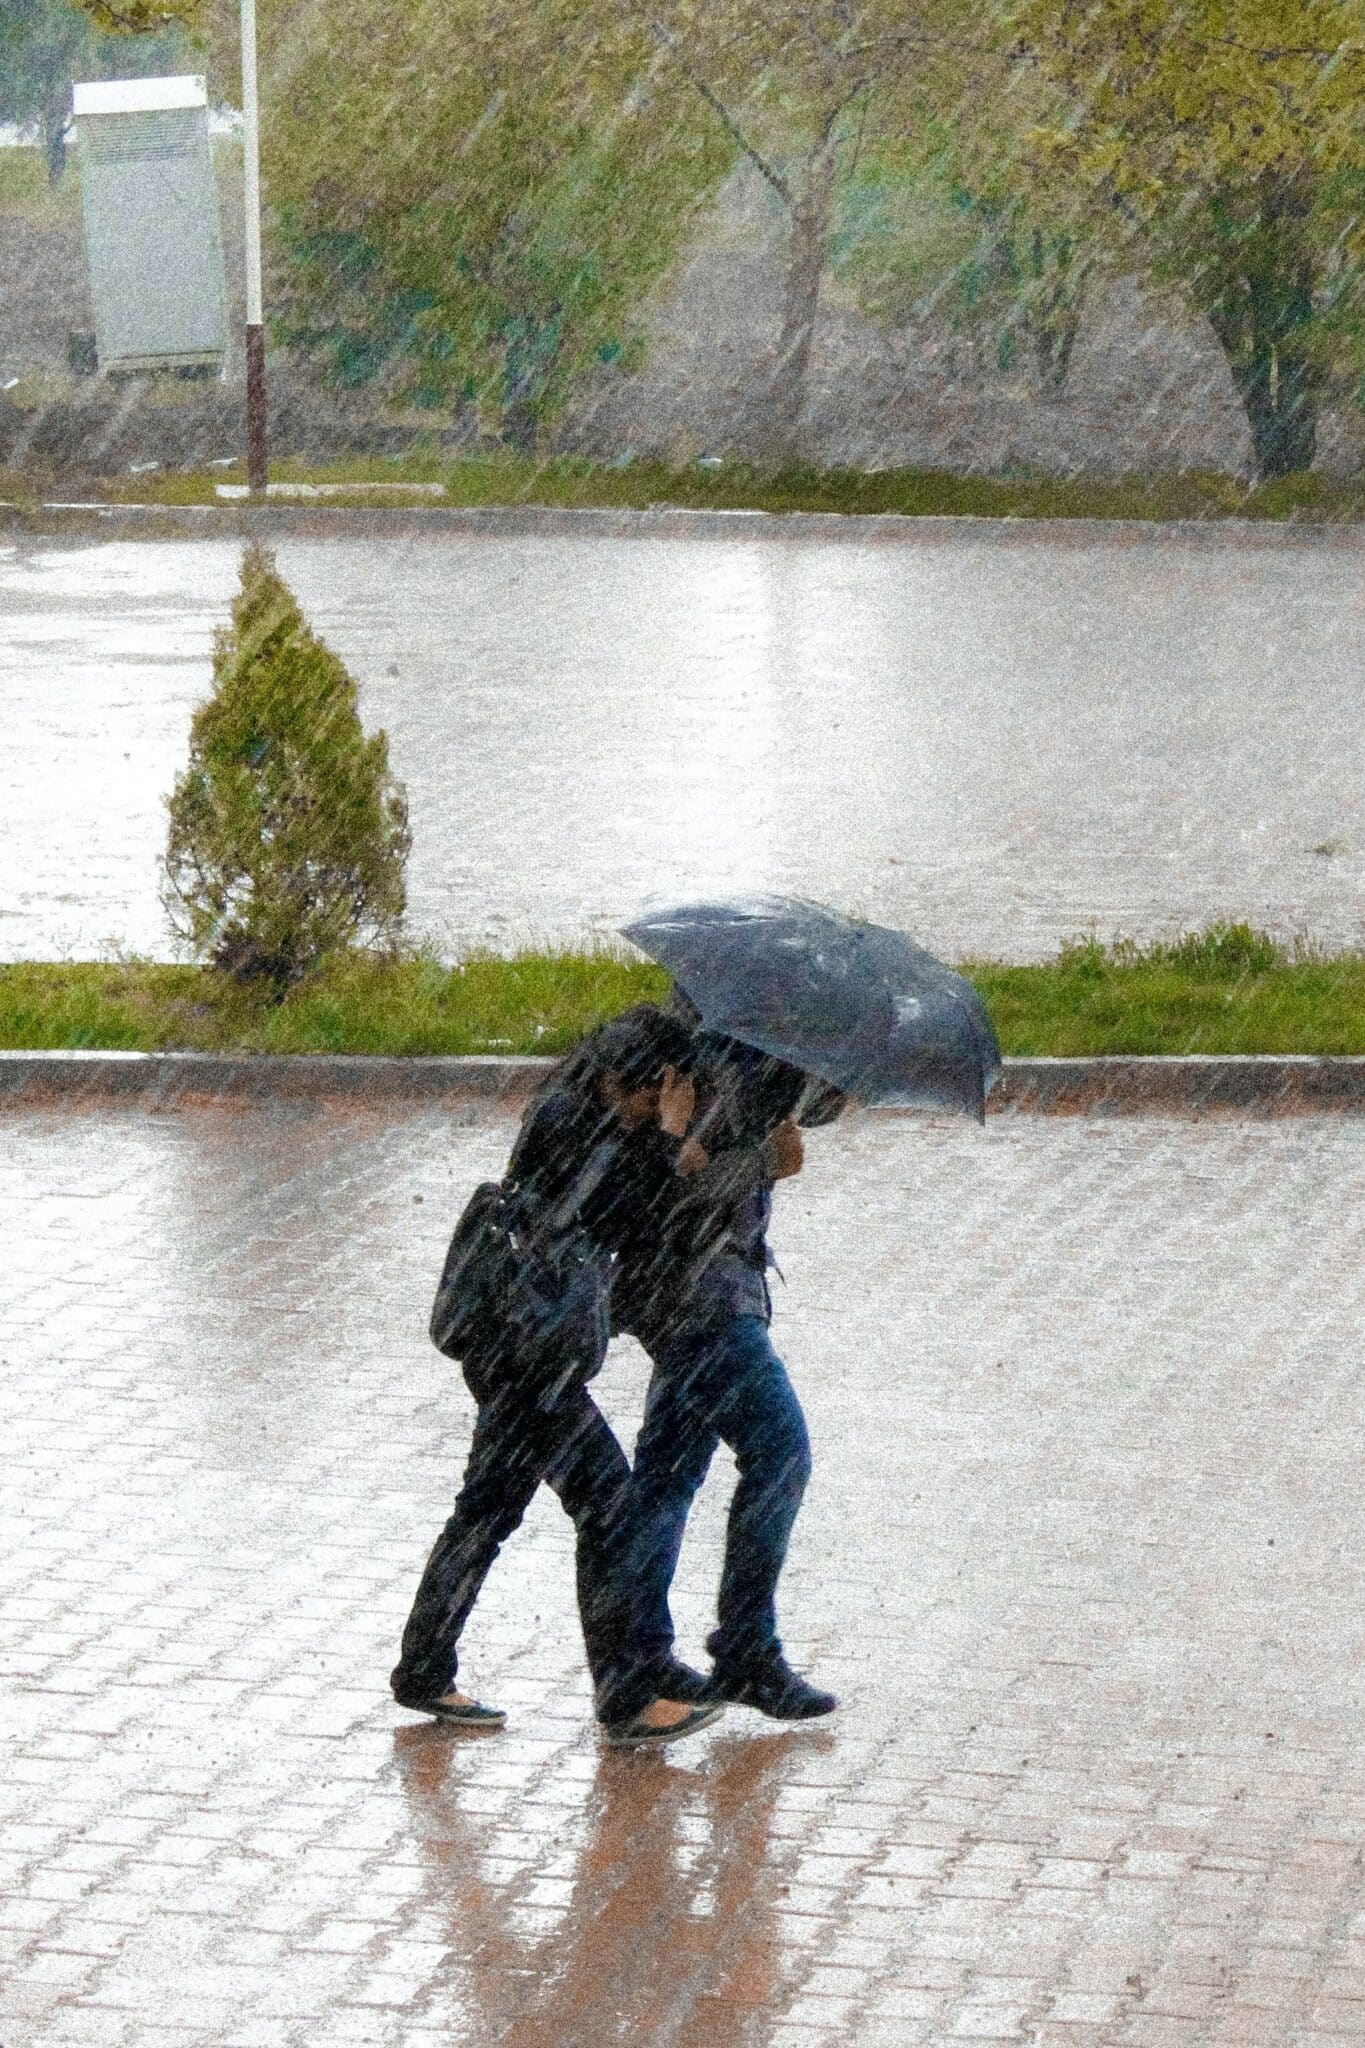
(257, 456)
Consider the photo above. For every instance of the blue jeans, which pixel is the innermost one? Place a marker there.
(725, 1385)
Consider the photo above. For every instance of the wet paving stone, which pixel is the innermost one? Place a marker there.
(1081, 1556)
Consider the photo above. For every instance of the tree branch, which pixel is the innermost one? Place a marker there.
(920, 41)
(860, 85)
(858, 138)
(1272, 53)
(773, 176)
(1023, 53)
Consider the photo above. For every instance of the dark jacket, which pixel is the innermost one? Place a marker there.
(524, 1291)
(696, 1256)
(699, 1256)
(576, 1167)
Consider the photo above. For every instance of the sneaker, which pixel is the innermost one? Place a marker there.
(462, 1713)
(638, 1733)
(773, 1687)
(674, 1680)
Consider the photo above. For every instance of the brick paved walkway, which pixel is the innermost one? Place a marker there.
(1082, 1554)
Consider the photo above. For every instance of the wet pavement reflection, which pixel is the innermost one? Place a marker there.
(660, 1923)
(996, 741)
(1080, 1555)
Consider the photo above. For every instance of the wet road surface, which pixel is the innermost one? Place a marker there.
(996, 742)
(1082, 1555)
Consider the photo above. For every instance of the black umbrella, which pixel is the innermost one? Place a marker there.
(855, 1004)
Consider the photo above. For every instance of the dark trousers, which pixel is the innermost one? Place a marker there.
(725, 1385)
(519, 1441)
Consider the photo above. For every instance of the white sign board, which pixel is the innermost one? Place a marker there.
(152, 235)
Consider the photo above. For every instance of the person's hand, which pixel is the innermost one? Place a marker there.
(692, 1158)
(786, 1151)
(677, 1100)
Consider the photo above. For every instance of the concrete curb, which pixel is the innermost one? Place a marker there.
(246, 520)
(1263, 1085)
(167, 1080)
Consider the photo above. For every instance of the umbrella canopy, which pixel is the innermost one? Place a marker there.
(856, 1004)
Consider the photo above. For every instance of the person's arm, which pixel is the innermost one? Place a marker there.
(742, 1167)
(719, 1187)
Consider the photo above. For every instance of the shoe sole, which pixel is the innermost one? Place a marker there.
(457, 1717)
(657, 1738)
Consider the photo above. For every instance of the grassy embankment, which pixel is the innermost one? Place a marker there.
(497, 478)
(26, 195)
(1224, 991)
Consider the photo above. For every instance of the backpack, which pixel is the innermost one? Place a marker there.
(522, 1296)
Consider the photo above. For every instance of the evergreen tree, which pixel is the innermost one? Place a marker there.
(288, 835)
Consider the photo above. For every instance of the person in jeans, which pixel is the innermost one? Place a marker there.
(620, 1103)
(691, 1286)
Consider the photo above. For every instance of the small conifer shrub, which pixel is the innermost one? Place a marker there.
(288, 835)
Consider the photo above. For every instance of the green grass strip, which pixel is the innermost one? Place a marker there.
(485, 481)
(530, 1003)
(1227, 990)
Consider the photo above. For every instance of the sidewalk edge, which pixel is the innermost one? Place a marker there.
(1260, 1084)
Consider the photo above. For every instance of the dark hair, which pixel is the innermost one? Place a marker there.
(677, 1003)
(822, 1103)
(635, 1047)
(638, 1045)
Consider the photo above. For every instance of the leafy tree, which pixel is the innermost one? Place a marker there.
(928, 223)
(44, 44)
(807, 93)
(473, 199)
(1227, 133)
(142, 17)
(288, 835)
(336, 302)
(478, 225)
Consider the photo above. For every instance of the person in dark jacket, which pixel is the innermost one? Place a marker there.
(691, 1285)
(603, 1135)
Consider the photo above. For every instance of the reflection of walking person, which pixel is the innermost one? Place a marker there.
(671, 1933)
(600, 1136)
(672, 1929)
